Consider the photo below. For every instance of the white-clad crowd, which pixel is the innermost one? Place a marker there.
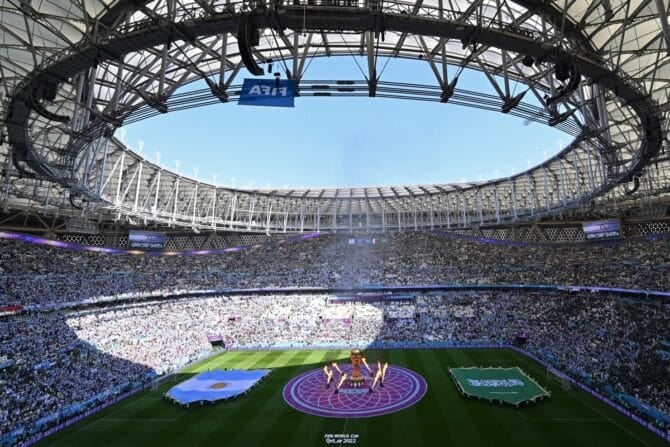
(62, 358)
(34, 274)
(52, 362)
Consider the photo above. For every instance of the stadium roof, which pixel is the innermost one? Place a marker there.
(74, 71)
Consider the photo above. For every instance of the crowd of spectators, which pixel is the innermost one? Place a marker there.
(55, 360)
(35, 274)
(606, 341)
(46, 371)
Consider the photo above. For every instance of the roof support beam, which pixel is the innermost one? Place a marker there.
(468, 12)
(206, 7)
(223, 61)
(184, 69)
(303, 58)
(294, 50)
(9, 168)
(490, 78)
(415, 10)
(629, 18)
(443, 48)
(326, 44)
(663, 15)
(429, 58)
(372, 68)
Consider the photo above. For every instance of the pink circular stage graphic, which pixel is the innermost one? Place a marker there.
(308, 393)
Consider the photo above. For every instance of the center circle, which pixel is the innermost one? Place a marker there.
(308, 393)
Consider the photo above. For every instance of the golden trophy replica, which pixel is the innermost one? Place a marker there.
(356, 379)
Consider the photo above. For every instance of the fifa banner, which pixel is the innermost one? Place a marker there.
(267, 92)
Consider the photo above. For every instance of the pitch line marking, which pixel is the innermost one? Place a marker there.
(591, 407)
(74, 432)
(139, 419)
(566, 419)
(123, 407)
(344, 429)
(608, 418)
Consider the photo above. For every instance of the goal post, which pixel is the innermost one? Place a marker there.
(552, 374)
(160, 381)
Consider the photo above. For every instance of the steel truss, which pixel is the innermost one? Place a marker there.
(95, 65)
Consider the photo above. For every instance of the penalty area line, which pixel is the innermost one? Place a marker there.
(140, 419)
(567, 420)
(97, 420)
(58, 441)
(576, 396)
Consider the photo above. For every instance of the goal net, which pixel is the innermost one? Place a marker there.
(170, 378)
(555, 375)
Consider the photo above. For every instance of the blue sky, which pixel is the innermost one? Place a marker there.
(345, 141)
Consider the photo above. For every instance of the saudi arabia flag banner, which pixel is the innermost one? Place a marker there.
(502, 385)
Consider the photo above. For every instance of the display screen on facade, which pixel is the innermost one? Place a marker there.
(146, 240)
(602, 229)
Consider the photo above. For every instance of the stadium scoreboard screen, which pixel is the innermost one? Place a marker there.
(146, 240)
(602, 229)
(363, 241)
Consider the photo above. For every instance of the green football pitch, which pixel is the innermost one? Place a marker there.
(442, 418)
